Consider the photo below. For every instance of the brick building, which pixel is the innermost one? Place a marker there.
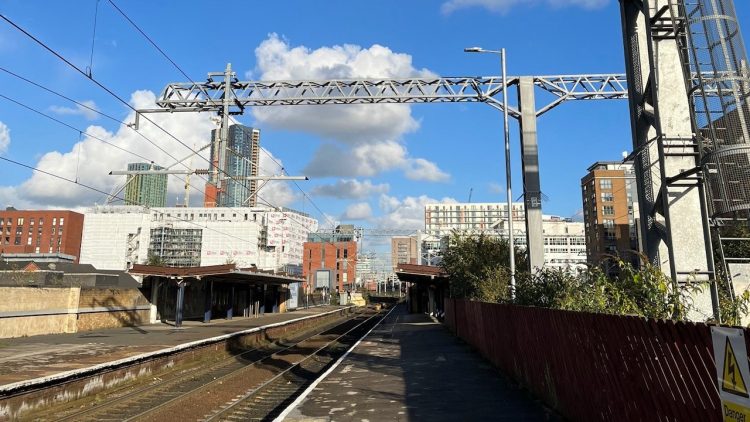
(610, 212)
(335, 252)
(41, 232)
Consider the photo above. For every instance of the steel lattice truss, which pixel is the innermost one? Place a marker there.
(209, 95)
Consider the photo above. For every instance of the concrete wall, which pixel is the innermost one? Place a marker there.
(29, 311)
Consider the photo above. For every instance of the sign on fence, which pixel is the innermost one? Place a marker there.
(732, 373)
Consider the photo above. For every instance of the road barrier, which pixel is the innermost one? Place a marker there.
(596, 367)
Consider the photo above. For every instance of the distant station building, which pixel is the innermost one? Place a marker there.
(149, 190)
(610, 212)
(118, 237)
(330, 259)
(27, 234)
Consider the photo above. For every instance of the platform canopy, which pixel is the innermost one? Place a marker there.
(227, 273)
(413, 273)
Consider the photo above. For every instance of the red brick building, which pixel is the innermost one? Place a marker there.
(338, 257)
(49, 231)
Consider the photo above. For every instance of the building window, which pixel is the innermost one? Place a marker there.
(17, 240)
(609, 233)
(41, 220)
(54, 221)
(608, 197)
(338, 253)
(608, 210)
(605, 183)
(31, 221)
(346, 252)
(20, 221)
(609, 223)
(338, 266)
(28, 241)
(62, 221)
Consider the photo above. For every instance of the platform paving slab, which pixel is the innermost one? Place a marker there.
(410, 368)
(29, 358)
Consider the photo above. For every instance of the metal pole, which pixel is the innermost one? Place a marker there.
(511, 242)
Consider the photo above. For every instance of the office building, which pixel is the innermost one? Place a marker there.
(240, 160)
(116, 237)
(610, 213)
(40, 233)
(149, 190)
(563, 238)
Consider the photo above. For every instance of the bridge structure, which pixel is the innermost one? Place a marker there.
(223, 93)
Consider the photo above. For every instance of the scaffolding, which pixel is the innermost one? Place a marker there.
(176, 247)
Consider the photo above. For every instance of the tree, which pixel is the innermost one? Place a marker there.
(154, 259)
(477, 266)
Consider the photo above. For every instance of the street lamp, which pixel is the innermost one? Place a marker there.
(501, 52)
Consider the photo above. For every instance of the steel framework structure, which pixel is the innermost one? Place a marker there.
(225, 94)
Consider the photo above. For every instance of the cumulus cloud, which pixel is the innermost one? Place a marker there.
(503, 6)
(350, 189)
(421, 169)
(89, 161)
(4, 137)
(78, 110)
(358, 211)
(361, 140)
(406, 213)
(371, 159)
(276, 193)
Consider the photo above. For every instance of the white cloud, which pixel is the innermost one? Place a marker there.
(276, 193)
(358, 211)
(78, 110)
(350, 189)
(90, 160)
(361, 140)
(368, 160)
(496, 188)
(503, 6)
(406, 213)
(421, 169)
(4, 137)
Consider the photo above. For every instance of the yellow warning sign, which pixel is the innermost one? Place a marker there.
(732, 381)
(731, 412)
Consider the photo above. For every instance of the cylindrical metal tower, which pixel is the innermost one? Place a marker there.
(719, 85)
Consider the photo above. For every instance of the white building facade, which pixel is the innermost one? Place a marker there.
(116, 237)
(564, 239)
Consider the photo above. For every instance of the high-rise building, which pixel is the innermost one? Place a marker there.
(241, 160)
(148, 190)
(403, 251)
(610, 212)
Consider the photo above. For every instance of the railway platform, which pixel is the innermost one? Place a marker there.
(410, 368)
(29, 360)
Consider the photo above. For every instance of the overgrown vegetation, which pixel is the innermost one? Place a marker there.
(478, 270)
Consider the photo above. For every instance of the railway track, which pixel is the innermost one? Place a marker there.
(268, 400)
(147, 402)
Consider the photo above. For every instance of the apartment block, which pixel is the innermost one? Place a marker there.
(41, 232)
(334, 253)
(610, 213)
(403, 251)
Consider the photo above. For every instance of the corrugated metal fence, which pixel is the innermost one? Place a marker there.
(595, 367)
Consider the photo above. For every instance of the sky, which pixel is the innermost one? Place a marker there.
(369, 165)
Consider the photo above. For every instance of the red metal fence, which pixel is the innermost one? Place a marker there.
(595, 367)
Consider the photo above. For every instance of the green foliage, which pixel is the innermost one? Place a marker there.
(478, 266)
(154, 259)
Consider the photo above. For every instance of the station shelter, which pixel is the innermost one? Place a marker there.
(209, 292)
(428, 287)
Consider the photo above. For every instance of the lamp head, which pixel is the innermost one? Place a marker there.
(473, 50)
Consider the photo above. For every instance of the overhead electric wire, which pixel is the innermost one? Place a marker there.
(81, 131)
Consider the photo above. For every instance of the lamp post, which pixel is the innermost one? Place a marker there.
(501, 52)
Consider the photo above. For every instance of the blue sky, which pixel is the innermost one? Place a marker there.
(372, 166)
